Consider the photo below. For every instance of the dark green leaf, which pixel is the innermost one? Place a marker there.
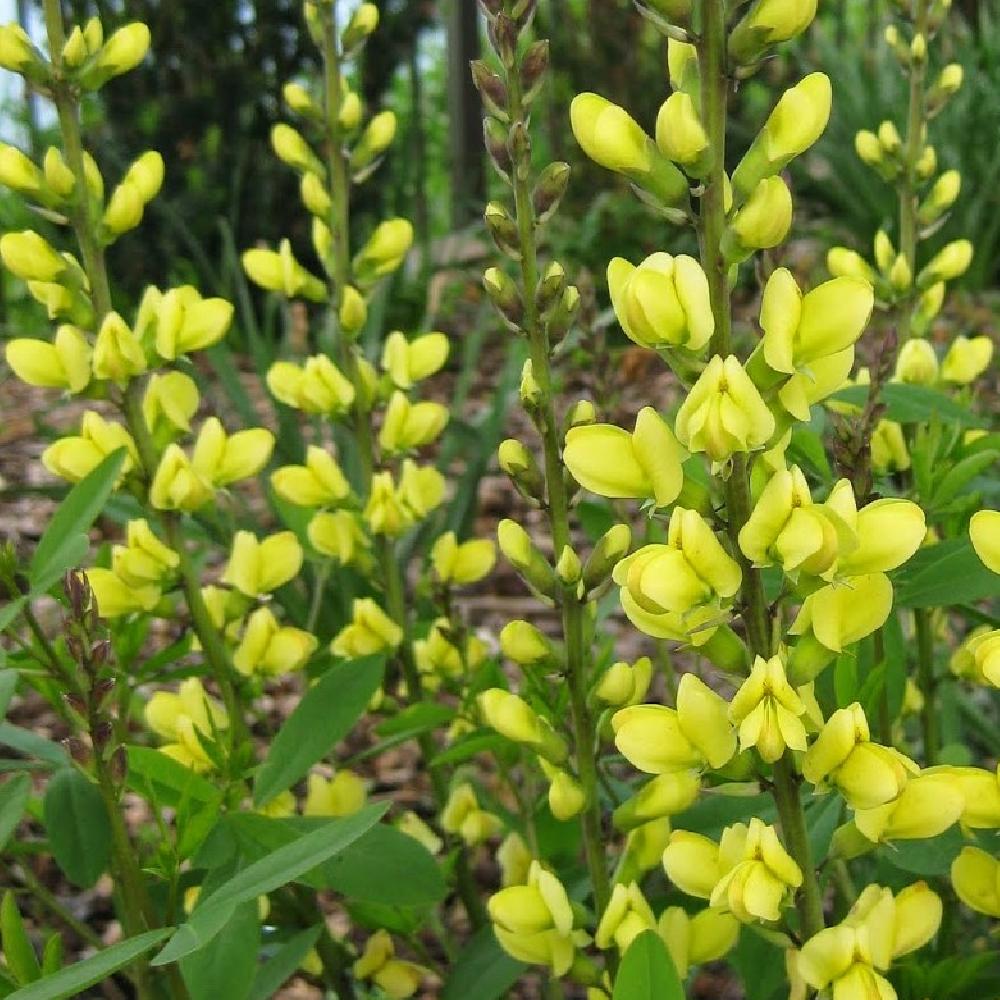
(167, 779)
(73, 981)
(32, 745)
(325, 715)
(482, 970)
(8, 683)
(284, 865)
(913, 404)
(64, 543)
(467, 747)
(226, 967)
(647, 972)
(945, 574)
(283, 964)
(78, 828)
(822, 818)
(13, 797)
(18, 952)
(925, 857)
(713, 813)
(423, 717)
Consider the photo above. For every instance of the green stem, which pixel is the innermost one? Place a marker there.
(573, 612)
(928, 683)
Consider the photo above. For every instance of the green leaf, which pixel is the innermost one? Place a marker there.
(65, 543)
(10, 611)
(13, 798)
(324, 716)
(78, 827)
(283, 866)
(17, 949)
(925, 857)
(482, 970)
(944, 574)
(713, 813)
(283, 964)
(647, 972)
(416, 719)
(913, 404)
(822, 819)
(32, 745)
(170, 781)
(468, 746)
(383, 866)
(228, 965)
(8, 683)
(72, 981)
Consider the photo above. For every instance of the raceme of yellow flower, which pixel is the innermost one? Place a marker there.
(187, 719)
(318, 483)
(695, 735)
(259, 566)
(342, 795)
(462, 563)
(768, 711)
(270, 649)
(643, 465)
(317, 386)
(338, 534)
(663, 302)
(410, 361)
(370, 631)
(928, 804)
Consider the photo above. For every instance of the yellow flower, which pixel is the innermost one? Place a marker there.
(706, 937)
(318, 483)
(691, 570)
(844, 263)
(627, 915)
(518, 721)
(680, 134)
(223, 458)
(279, 271)
(644, 848)
(462, 816)
(917, 364)
(30, 257)
(767, 23)
(662, 303)
(187, 719)
(565, 796)
(665, 795)
(370, 631)
(984, 531)
(144, 560)
(385, 513)
(177, 485)
(724, 413)
(439, 653)
(981, 790)
(271, 649)
(257, 567)
(843, 755)
(951, 262)
(186, 322)
(695, 735)
(888, 447)
(841, 957)
(840, 614)
(118, 355)
(463, 563)
(19, 173)
(694, 863)
(534, 922)
(169, 402)
(408, 362)
(896, 925)
(374, 141)
(976, 878)
(643, 465)
(16, 51)
(421, 488)
(396, 978)
(115, 597)
(63, 364)
(342, 795)
(292, 149)
(123, 51)
(76, 456)
(385, 250)
(337, 534)
(316, 387)
(802, 329)
(623, 684)
(765, 219)
(410, 425)
(926, 807)
(413, 826)
(967, 359)
(514, 860)
(523, 643)
(767, 709)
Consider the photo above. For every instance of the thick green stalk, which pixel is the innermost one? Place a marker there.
(712, 224)
(573, 612)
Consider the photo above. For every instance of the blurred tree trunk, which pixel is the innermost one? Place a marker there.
(418, 150)
(468, 168)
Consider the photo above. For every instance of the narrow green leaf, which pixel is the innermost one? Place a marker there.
(32, 745)
(227, 966)
(416, 719)
(283, 964)
(13, 798)
(169, 780)
(913, 404)
(647, 972)
(8, 684)
(78, 827)
(17, 950)
(65, 542)
(324, 716)
(482, 970)
(283, 866)
(944, 574)
(73, 981)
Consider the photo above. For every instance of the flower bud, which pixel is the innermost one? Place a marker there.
(530, 391)
(984, 532)
(623, 684)
(30, 257)
(950, 263)
(868, 148)
(680, 134)
(463, 563)
(889, 138)
(337, 534)
(503, 229)
(975, 874)
(63, 364)
(568, 567)
(314, 195)
(534, 65)
(363, 22)
(917, 364)
(767, 23)
(349, 116)
(291, 148)
(516, 545)
(610, 549)
(58, 177)
(353, 311)
(665, 795)
(374, 141)
(524, 644)
(900, 274)
(385, 250)
(949, 81)
(941, 197)
(504, 295)
(549, 190)
(514, 718)
(18, 54)
(298, 99)
(765, 219)
(495, 137)
(844, 263)
(123, 51)
(19, 173)
(566, 798)
(281, 272)
(520, 465)
(888, 448)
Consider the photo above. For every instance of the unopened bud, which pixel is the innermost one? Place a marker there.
(58, 177)
(918, 49)
(580, 414)
(362, 23)
(523, 11)
(491, 87)
(491, 8)
(610, 549)
(503, 32)
(562, 316)
(868, 148)
(530, 391)
(78, 750)
(353, 311)
(519, 143)
(534, 568)
(550, 287)
(568, 567)
(949, 80)
(102, 734)
(889, 138)
(495, 137)
(901, 275)
(504, 295)
(534, 65)
(941, 197)
(885, 252)
(549, 190)
(927, 164)
(298, 100)
(503, 229)
(118, 765)
(520, 465)
(524, 644)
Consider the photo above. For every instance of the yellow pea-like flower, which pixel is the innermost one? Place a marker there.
(118, 354)
(625, 684)
(396, 978)
(413, 826)
(374, 141)
(514, 859)
(177, 485)
(59, 179)
(123, 51)
(338, 534)
(16, 51)
(917, 363)
(844, 263)
(186, 718)
(693, 940)
(30, 257)
(410, 425)
(888, 448)
(801, 329)
(440, 655)
(421, 488)
(74, 457)
(385, 512)
(342, 795)
(765, 219)
(843, 755)
(694, 863)
(767, 710)
(666, 795)
(270, 649)
(370, 631)
(840, 614)
(841, 957)
(694, 736)
(680, 134)
(761, 881)
(566, 797)
(767, 23)
(662, 303)
(385, 250)
(524, 644)
(462, 563)
(926, 807)
(514, 718)
(724, 413)
(363, 22)
(461, 815)
(318, 483)
(981, 791)
(144, 559)
(186, 322)
(318, 386)
(626, 916)
(691, 570)
(967, 358)
(976, 878)
(170, 401)
(227, 458)
(797, 121)
(410, 361)
(896, 925)
(259, 566)
(984, 531)
(115, 597)
(643, 465)
(279, 271)
(63, 364)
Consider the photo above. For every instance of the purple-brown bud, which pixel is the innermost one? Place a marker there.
(533, 68)
(495, 136)
(549, 190)
(491, 87)
(503, 34)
